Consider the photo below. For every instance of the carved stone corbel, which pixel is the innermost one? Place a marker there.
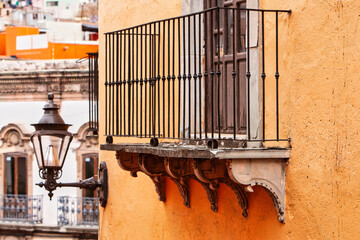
(153, 166)
(267, 173)
(240, 194)
(178, 172)
(159, 182)
(213, 172)
(128, 163)
(211, 194)
(183, 187)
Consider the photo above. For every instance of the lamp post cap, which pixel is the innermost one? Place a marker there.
(50, 96)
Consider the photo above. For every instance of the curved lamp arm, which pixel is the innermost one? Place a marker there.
(90, 183)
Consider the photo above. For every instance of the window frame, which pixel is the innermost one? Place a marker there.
(83, 163)
(16, 155)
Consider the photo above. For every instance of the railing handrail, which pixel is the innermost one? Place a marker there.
(200, 12)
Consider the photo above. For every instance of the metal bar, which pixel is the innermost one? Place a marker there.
(117, 84)
(206, 73)
(163, 80)
(150, 82)
(132, 82)
(248, 73)
(179, 75)
(173, 78)
(137, 81)
(218, 68)
(141, 80)
(195, 77)
(154, 80)
(189, 75)
(90, 107)
(234, 73)
(112, 84)
(212, 73)
(129, 84)
(145, 80)
(124, 85)
(184, 77)
(121, 81)
(168, 79)
(158, 78)
(263, 75)
(200, 77)
(277, 76)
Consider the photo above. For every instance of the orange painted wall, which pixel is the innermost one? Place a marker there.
(319, 98)
(54, 50)
(2, 43)
(11, 33)
(65, 50)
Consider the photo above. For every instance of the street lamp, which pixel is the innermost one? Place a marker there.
(51, 142)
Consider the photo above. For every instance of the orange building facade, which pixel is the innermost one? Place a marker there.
(287, 166)
(28, 43)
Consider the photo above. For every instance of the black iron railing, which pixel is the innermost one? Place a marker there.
(21, 208)
(78, 211)
(93, 92)
(190, 77)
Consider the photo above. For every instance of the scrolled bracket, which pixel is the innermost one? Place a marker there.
(183, 187)
(269, 174)
(128, 163)
(178, 169)
(240, 194)
(211, 194)
(159, 183)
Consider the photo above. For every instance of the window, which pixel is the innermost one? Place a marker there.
(90, 166)
(52, 3)
(15, 174)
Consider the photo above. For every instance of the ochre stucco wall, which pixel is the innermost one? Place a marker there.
(319, 104)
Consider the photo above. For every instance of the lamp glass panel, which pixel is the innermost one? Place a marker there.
(52, 147)
(64, 148)
(36, 143)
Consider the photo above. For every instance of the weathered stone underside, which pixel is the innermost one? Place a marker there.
(239, 174)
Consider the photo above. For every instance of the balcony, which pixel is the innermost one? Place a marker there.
(21, 208)
(196, 89)
(76, 211)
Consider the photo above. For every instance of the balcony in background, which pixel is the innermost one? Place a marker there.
(76, 211)
(21, 208)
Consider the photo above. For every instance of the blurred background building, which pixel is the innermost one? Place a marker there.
(41, 43)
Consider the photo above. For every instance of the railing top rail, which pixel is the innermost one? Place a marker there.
(200, 12)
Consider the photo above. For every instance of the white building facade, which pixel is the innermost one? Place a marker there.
(72, 212)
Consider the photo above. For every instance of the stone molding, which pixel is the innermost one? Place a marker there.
(68, 84)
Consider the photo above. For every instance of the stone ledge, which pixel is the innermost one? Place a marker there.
(83, 232)
(191, 151)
